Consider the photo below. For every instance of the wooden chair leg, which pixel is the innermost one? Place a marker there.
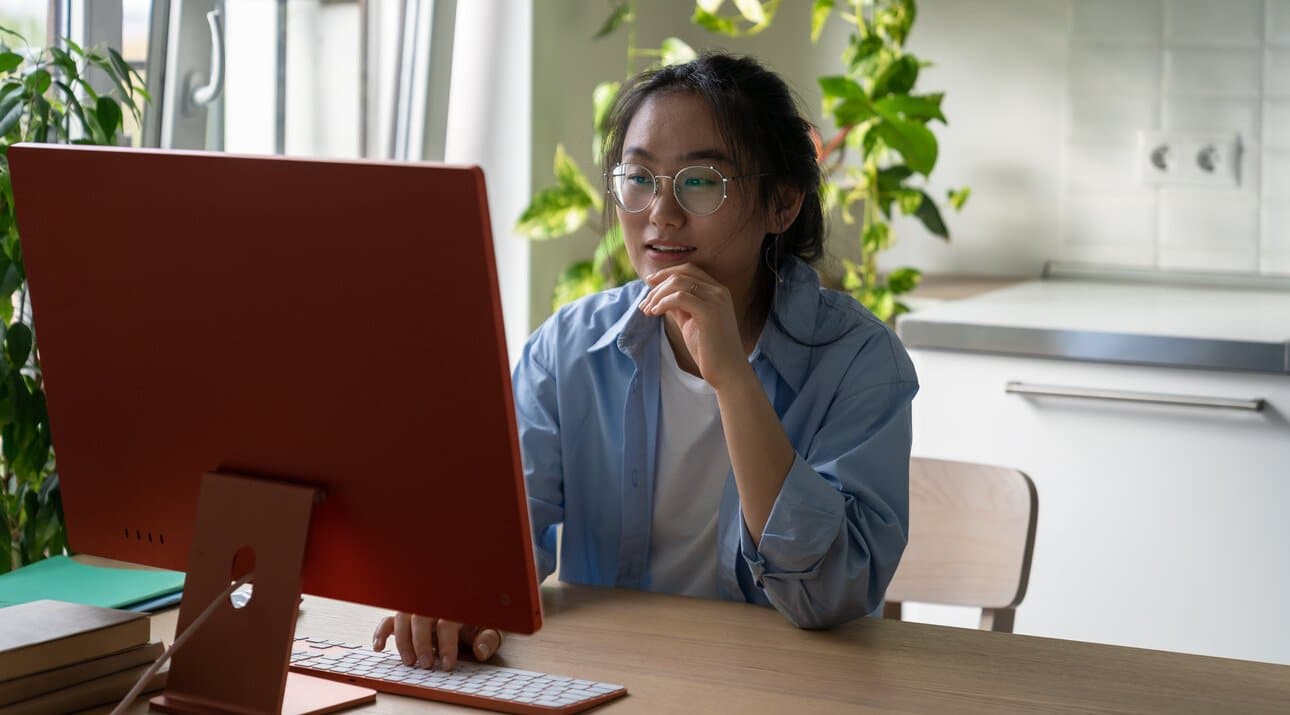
(891, 609)
(998, 619)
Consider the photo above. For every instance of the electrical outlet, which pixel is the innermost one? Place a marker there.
(1189, 159)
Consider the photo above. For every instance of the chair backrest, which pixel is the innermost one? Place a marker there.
(971, 536)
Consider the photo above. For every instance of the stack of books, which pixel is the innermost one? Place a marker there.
(61, 657)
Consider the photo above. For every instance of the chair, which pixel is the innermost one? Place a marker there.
(971, 536)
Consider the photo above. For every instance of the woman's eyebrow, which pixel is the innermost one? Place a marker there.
(707, 154)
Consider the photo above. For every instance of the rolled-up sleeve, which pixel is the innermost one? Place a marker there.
(538, 422)
(841, 521)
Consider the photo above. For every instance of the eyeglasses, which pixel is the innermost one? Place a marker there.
(699, 190)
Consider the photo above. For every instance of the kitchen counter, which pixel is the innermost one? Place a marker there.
(1222, 328)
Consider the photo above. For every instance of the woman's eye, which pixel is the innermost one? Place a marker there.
(700, 183)
(639, 179)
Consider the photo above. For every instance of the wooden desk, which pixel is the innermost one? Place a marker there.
(684, 655)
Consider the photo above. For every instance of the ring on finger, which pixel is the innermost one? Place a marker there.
(693, 288)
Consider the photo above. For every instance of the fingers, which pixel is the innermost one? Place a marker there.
(675, 301)
(482, 642)
(486, 643)
(403, 638)
(448, 632)
(423, 641)
(683, 269)
(678, 284)
(384, 630)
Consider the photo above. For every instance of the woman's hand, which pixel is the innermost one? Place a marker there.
(704, 312)
(420, 639)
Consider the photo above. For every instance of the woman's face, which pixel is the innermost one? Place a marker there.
(672, 131)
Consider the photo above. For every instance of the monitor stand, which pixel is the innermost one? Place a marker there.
(237, 660)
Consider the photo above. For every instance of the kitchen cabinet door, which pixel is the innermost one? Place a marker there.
(1160, 526)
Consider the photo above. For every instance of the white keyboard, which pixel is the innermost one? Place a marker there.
(473, 684)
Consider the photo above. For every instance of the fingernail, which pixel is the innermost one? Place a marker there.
(484, 651)
(424, 661)
(376, 643)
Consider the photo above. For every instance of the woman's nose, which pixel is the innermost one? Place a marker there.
(666, 211)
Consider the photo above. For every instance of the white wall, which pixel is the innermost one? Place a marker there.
(1178, 65)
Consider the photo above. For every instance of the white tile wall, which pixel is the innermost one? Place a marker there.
(1276, 83)
(1275, 250)
(1098, 118)
(1177, 65)
(1214, 21)
(1208, 231)
(1276, 123)
(1213, 71)
(1278, 23)
(1107, 69)
(1113, 228)
(1276, 176)
(1205, 113)
(1135, 21)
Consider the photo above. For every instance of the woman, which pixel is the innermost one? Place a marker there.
(722, 427)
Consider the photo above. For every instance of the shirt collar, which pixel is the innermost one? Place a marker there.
(796, 303)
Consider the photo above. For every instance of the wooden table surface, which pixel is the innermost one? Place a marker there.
(685, 655)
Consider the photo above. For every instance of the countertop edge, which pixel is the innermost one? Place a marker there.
(1096, 346)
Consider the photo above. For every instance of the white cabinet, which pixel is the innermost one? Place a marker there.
(1163, 527)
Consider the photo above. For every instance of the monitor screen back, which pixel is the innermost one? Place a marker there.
(330, 323)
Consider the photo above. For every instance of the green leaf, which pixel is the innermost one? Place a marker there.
(38, 82)
(578, 280)
(876, 237)
(602, 100)
(109, 115)
(845, 100)
(851, 281)
(861, 54)
(898, 77)
(904, 280)
(11, 107)
(715, 23)
(910, 201)
(958, 197)
(570, 176)
(622, 13)
(6, 31)
(930, 215)
(752, 11)
(915, 142)
(890, 178)
(554, 212)
(123, 68)
(9, 61)
(64, 62)
(881, 302)
(676, 52)
(924, 107)
(819, 15)
(74, 47)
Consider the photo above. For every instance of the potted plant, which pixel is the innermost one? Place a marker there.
(45, 96)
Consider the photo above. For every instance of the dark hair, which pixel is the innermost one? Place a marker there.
(757, 115)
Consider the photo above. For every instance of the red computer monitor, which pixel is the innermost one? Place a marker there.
(330, 325)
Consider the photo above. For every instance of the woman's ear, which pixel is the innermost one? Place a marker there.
(788, 205)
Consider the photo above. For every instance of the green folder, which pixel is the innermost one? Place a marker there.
(63, 579)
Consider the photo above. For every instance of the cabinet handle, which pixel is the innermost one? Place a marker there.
(1220, 403)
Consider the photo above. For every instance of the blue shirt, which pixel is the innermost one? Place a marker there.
(587, 398)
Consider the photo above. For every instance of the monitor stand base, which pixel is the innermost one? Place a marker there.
(236, 661)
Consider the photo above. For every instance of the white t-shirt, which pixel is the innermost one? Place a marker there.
(692, 464)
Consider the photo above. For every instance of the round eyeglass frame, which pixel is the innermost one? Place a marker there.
(725, 183)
